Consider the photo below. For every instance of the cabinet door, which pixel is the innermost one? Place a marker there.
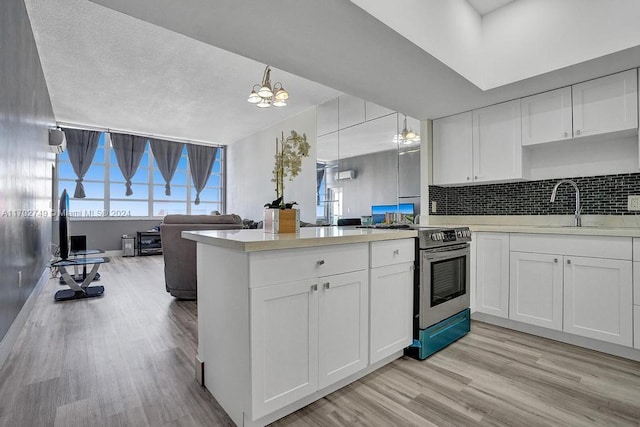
(284, 344)
(391, 307)
(327, 117)
(606, 104)
(492, 273)
(343, 325)
(452, 155)
(497, 146)
(598, 299)
(547, 117)
(535, 289)
(636, 327)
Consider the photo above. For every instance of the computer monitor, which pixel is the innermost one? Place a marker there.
(407, 212)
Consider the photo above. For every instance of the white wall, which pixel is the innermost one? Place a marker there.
(530, 37)
(250, 163)
(449, 30)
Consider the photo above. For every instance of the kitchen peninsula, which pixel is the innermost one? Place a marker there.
(285, 319)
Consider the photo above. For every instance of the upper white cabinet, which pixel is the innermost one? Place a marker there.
(492, 273)
(327, 117)
(607, 104)
(350, 110)
(547, 117)
(375, 111)
(497, 149)
(452, 142)
(479, 146)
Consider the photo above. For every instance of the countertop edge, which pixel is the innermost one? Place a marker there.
(298, 243)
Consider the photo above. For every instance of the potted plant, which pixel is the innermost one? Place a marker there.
(280, 217)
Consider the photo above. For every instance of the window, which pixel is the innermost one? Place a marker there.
(105, 187)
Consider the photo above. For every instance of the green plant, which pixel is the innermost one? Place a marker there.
(289, 154)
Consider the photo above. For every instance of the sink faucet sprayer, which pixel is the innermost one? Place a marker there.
(578, 207)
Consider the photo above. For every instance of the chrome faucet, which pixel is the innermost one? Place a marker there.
(578, 207)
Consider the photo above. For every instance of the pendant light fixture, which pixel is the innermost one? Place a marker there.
(407, 136)
(264, 95)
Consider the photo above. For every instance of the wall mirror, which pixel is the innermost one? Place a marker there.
(362, 162)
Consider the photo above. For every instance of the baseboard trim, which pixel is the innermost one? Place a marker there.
(10, 338)
(565, 337)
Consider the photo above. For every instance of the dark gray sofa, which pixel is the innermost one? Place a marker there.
(180, 254)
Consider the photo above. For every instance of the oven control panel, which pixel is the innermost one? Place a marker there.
(443, 237)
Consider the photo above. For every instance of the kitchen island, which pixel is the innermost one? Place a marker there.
(285, 319)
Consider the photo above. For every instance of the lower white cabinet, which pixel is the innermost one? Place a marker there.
(305, 336)
(636, 326)
(598, 299)
(284, 344)
(492, 273)
(343, 326)
(391, 295)
(535, 294)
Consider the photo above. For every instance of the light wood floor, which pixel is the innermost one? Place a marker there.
(126, 359)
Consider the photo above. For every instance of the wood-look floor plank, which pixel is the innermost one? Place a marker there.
(126, 359)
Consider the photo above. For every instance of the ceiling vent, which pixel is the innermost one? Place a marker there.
(345, 175)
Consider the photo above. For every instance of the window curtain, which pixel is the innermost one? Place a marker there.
(81, 146)
(167, 155)
(319, 177)
(201, 159)
(129, 150)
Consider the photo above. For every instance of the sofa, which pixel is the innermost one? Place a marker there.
(180, 254)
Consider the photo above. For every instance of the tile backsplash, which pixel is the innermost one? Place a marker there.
(599, 195)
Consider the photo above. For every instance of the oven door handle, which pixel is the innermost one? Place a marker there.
(451, 252)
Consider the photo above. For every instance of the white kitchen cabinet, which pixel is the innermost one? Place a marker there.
(636, 326)
(497, 142)
(327, 117)
(343, 326)
(326, 340)
(535, 294)
(492, 273)
(452, 150)
(351, 111)
(391, 297)
(547, 117)
(607, 104)
(284, 344)
(598, 301)
(391, 310)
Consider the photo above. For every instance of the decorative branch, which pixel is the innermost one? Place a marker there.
(289, 154)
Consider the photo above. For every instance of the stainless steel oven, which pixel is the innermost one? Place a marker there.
(444, 283)
(441, 290)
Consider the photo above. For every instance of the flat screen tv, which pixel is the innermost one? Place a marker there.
(63, 224)
(380, 214)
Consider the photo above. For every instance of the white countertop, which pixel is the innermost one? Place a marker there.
(258, 240)
(593, 225)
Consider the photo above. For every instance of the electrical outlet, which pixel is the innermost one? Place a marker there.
(633, 203)
(20, 278)
(434, 206)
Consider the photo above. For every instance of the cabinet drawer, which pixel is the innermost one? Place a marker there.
(287, 265)
(585, 246)
(636, 249)
(391, 252)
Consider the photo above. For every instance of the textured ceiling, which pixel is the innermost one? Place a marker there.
(107, 69)
(336, 43)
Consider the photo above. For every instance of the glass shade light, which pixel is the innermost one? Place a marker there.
(264, 96)
(265, 91)
(254, 98)
(282, 95)
(264, 103)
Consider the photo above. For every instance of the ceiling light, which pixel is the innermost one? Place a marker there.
(407, 136)
(264, 96)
